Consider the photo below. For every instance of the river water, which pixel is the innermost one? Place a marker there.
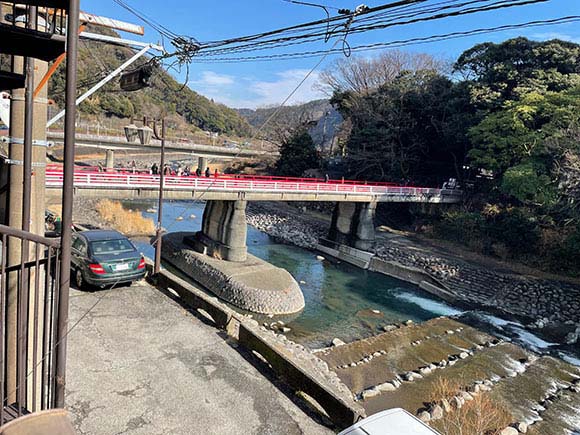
(342, 300)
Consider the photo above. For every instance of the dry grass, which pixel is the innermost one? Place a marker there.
(480, 416)
(128, 222)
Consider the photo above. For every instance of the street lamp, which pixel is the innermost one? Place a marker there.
(131, 132)
(145, 133)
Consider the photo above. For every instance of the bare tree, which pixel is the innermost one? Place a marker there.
(363, 75)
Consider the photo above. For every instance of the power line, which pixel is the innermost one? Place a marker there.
(500, 4)
(270, 44)
(398, 43)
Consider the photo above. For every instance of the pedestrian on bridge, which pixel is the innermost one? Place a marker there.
(216, 173)
(198, 172)
(154, 169)
(207, 172)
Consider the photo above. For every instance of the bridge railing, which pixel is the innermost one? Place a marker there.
(145, 172)
(129, 180)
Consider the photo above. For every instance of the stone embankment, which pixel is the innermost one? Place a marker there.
(543, 300)
(540, 301)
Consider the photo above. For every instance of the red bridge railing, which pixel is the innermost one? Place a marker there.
(129, 179)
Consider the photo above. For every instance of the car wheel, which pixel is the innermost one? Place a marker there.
(79, 279)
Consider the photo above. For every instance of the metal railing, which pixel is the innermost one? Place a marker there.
(46, 18)
(228, 183)
(29, 337)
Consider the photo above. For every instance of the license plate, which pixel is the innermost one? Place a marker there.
(121, 267)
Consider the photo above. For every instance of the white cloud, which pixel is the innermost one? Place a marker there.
(247, 92)
(556, 35)
(212, 79)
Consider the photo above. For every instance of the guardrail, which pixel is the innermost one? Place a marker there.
(227, 184)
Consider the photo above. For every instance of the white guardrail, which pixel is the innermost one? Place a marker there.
(99, 180)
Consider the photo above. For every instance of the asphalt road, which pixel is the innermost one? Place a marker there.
(139, 363)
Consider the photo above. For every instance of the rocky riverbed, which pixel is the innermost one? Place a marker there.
(285, 227)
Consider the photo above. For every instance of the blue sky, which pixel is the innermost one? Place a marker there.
(258, 84)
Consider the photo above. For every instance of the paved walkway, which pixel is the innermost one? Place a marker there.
(139, 363)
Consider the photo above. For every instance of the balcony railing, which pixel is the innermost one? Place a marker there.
(29, 306)
(33, 28)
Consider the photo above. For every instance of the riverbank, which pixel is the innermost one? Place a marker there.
(550, 305)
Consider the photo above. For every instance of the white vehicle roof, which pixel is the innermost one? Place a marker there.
(395, 421)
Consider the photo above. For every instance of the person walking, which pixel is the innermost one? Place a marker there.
(207, 172)
(154, 169)
(216, 173)
(198, 172)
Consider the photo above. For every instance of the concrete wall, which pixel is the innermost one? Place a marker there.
(343, 411)
(345, 253)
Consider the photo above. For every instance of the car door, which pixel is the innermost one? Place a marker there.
(78, 251)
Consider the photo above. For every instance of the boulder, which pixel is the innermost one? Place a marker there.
(509, 431)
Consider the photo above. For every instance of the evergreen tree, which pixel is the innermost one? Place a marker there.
(297, 154)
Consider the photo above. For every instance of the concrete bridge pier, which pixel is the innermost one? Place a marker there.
(223, 231)
(353, 224)
(110, 161)
(202, 163)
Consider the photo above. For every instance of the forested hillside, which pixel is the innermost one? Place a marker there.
(97, 59)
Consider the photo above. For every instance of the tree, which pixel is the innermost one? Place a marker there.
(297, 154)
(527, 143)
(361, 76)
(411, 129)
(516, 67)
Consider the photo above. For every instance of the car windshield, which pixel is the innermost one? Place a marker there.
(116, 246)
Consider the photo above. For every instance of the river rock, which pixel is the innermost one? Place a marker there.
(424, 416)
(522, 427)
(509, 431)
(389, 328)
(387, 386)
(436, 412)
(370, 392)
(320, 258)
(337, 342)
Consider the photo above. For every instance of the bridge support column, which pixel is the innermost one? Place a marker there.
(202, 163)
(353, 224)
(110, 161)
(223, 231)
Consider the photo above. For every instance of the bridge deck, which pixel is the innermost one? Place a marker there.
(128, 185)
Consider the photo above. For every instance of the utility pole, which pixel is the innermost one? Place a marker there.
(159, 232)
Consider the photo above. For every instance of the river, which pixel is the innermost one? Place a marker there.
(342, 301)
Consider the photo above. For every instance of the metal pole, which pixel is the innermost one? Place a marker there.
(103, 82)
(67, 199)
(157, 267)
